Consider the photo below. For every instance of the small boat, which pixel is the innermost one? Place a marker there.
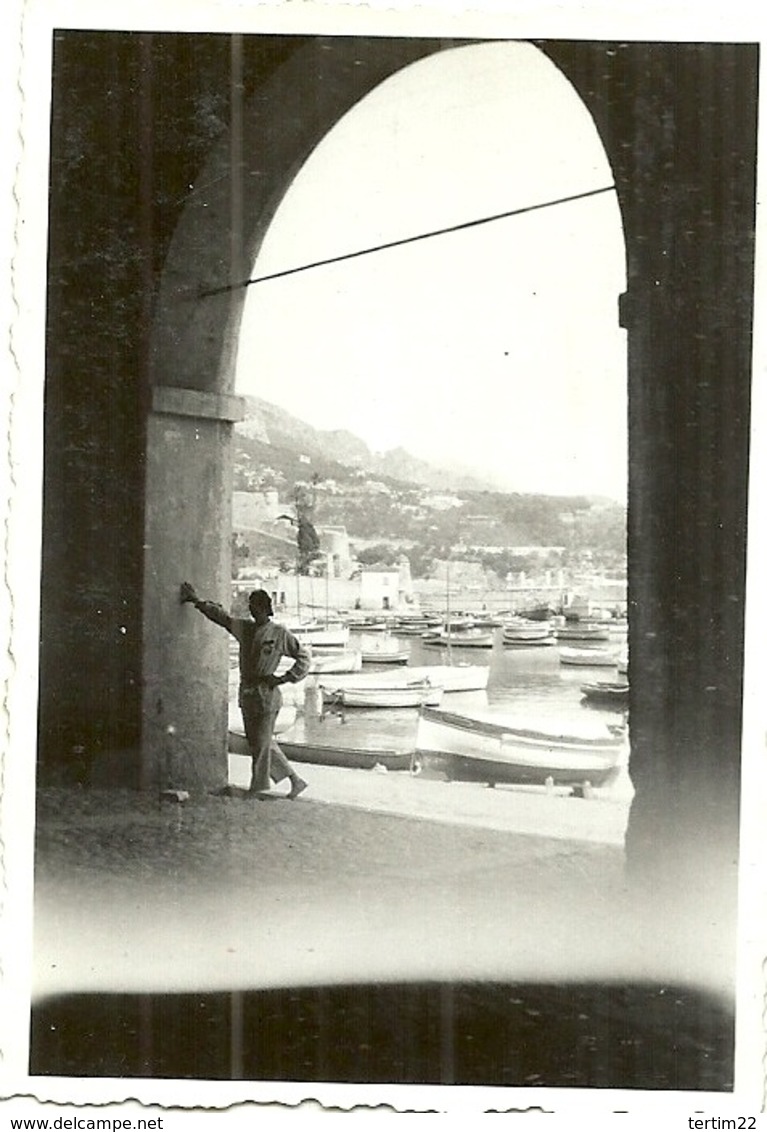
(588, 658)
(327, 636)
(359, 758)
(327, 755)
(465, 639)
(451, 677)
(374, 625)
(350, 660)
(491, 749)
(518, 631)
(456, 623)
(454, 677)
(413, 627)
(383, 695)
(607, 694)
(580, 631)
(536, 642)
(385, 656)
(358, 623)
(487, 621)
(538, 613)
(383, 649)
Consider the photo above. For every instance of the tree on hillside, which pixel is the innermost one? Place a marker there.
(307, 539)
(380, 554)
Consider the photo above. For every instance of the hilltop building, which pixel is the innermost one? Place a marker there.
(334, 544)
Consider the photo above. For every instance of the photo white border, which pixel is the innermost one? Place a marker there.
(24, 138)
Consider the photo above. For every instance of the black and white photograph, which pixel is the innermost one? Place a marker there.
(384, 722)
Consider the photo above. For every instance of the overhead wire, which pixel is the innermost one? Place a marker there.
(401, 242)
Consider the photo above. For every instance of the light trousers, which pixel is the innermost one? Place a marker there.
(269, 762)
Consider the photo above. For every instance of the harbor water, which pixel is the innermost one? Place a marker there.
(527, 685)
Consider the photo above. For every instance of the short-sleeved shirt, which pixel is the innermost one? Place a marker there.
(262, 647)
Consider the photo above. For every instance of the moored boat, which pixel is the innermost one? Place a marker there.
(385, 656)
(487, 621)
(465, 639)
(361, 758)
(580, 631)
(326, 636)
(456, 677)
(483, 748)
(451, 677)
(458, 622)
(605, 693)
(538, 613)
(307, 751)
(518, 631)
(412, 628)
(349, 660)
(588, 658)
(414, 694)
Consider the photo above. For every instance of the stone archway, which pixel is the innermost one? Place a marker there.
(192, 365)
(137, 439)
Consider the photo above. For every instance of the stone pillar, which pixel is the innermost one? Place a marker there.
(187, 537)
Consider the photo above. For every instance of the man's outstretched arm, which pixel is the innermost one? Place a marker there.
(211, 609)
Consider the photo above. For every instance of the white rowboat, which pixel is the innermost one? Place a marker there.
(479, 748)
(417, 694)
(588, 658)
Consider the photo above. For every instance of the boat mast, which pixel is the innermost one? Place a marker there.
(327, 588)
(447, 610)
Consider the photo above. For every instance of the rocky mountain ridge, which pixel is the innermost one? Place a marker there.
(269, 424)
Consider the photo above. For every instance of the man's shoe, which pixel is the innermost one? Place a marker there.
(297, 788)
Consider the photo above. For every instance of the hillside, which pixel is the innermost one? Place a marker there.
(401, 502)
(271, 425)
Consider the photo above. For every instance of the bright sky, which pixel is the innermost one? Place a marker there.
(497, 348)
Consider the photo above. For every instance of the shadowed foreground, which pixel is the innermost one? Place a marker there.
(582, 1036)
(233, 939)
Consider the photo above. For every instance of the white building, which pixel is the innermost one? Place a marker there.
(334, 544)
(385, 589)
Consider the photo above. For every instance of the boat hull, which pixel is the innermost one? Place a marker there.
(388, 697)
(469, 749)
(588, 658)
(539, 642)
(538, 613)
(381, 656)
(321, 636)
(606, 694)
(336, 662)
(575, 633)
(453, 678)
(521, 632)
(460, 641)
(358, 758)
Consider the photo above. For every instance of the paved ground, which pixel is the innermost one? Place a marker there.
(600, 819)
